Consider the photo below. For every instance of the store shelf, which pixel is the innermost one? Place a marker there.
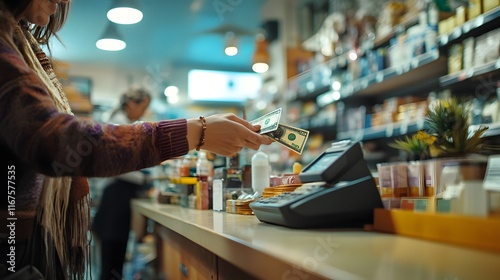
(383, 131)
(466, 74)
(422, 70)
(487, 20)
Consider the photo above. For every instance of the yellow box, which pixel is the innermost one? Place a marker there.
(475, 8)
(460, 15)
(443, 27)
(474, 232)
(489, 5)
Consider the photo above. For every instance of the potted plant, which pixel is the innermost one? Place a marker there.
(449, 138)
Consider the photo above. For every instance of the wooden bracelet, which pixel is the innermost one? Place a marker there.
(202, 136)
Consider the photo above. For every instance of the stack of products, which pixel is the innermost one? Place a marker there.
(274, 191)
(239, 206)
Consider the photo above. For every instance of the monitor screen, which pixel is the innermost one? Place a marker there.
(223, 86)
(322, 163)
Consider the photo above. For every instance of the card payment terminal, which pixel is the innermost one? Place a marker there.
(338, 191)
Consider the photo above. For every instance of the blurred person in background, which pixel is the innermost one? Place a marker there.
(111, 224)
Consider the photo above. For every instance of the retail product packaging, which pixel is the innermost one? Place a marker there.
(468, 59)
(455, 58)
(432, 173)
(475, 8)
(218, 201)
(460, 15)
(467, 197)
(385, 180)
(393, 179)
(489, 5)
(487, 48)
(391, 203)
(416, 179)
(399, 176)
(420, 204)
(202, 195)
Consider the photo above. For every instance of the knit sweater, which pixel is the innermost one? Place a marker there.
(36, 140)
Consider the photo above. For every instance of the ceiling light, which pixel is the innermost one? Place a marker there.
(125, 12)
(111, 40)
(260, 63)
(231, 48)
(171, 91)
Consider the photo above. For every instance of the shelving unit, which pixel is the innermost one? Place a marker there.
(420, 73)
(423, 74)
(472, 27)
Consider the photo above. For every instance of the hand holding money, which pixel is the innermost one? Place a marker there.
(291, 137)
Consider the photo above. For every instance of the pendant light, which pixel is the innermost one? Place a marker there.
(231, 48)
(125, 12)
(111, 40)
(260, 63)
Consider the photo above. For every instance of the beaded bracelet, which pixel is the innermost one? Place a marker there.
(202, 136)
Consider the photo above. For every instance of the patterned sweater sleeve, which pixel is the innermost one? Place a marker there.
(59, 144)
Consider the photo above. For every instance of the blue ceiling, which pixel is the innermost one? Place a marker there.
(172, 32)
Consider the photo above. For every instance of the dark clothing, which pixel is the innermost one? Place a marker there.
(112, 225)
(112, 259)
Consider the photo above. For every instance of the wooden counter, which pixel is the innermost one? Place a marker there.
(267, 251)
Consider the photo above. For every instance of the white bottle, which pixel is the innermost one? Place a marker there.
(204, 167)
(260, 172)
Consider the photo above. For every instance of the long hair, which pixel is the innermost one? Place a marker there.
(41, 33)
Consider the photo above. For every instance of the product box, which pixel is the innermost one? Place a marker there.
(432, 172)
(475, 8)
(455, 56)
(416, 179)
(487, 48)
(489, 5)
(391, 203)
(218, 200)
(202, 195)
(420, 204)
(399, 176)
(468, 57)
(385, 180)
(460, 15)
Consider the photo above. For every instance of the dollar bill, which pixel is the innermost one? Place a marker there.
(268, 122)
(291, 137)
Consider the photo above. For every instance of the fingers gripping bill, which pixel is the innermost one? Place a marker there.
(291, 137)
(269, 122)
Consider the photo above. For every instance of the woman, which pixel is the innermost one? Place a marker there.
(49, 152)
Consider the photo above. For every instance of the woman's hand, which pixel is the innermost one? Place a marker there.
(226, 134)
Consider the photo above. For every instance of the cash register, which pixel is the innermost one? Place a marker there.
(338, 191)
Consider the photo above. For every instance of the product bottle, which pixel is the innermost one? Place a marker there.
(204, 167)
(260, 172)
(432, 26)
